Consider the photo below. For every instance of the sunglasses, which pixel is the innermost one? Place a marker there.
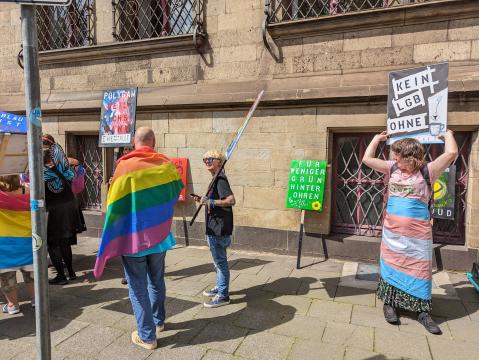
(209, 160)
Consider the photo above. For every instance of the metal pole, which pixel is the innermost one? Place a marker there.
(37, 190)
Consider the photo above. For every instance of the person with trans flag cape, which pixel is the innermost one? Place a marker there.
(140, 205)
(15, 241)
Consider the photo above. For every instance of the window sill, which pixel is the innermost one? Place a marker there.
(400, 15)
(118, 49)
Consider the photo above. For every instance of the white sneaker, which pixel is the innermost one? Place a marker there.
(15, 309)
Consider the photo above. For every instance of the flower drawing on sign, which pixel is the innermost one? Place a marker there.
(316, 205)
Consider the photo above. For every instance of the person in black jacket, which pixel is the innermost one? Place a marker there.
(219, 227)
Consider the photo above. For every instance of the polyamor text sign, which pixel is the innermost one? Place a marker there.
(417, 103)
(306, 184)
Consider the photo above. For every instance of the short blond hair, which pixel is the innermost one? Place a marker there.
(215, 154)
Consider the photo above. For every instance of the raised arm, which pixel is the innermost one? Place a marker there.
(369, 158)
(438, 166)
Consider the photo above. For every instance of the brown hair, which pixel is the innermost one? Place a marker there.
(10, 183)
(48, 140)
(410, 151)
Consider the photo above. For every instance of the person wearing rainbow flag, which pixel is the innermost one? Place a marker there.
(140, 204)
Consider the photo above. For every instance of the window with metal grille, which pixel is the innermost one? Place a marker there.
(358, 191)
(286, 10)
(146, 19)
(61, 27)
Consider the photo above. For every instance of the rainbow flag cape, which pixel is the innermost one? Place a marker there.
(140, 205)
(15, 231)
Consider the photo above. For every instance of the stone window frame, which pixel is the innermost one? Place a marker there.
(419, 13)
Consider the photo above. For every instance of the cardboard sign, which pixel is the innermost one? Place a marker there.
(306, 184)
(417, 103)
(182, 167)
(118, 117)
(444, 194)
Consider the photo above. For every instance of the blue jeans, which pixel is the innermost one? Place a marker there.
(146, 287)
(218, 245)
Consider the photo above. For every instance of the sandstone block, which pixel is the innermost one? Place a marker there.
(337, 61)
(175, 140)
(444, 51)
(323, 44)
(281, 178)
(464, 29)
(385, 57)
(367, 39)
(50, 125)
(237, 7)
(248, 19)
(273, 219)
(237, 53)
(174, 74)
(87, 123)
(70, 82)
(251, 178)
(419, 34)
(281, 159)
(300, 120)
(230, 121)
(197, 122)
(194, 155)
(170, 152)
(475, 50)
(303, 64)
(292, 47)
(260, 141)
(208, 140)
(230, 71)
(250, 159)
(264, 198)
(216, 7)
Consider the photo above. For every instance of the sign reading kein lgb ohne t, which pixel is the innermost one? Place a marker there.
(306, 184)
(417, 103)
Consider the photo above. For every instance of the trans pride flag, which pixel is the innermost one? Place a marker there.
(15, 232)
(140, 205)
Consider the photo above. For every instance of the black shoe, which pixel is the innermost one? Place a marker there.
(124, 281)
(72, 276)
(390, 314)
(58, 280)
(425, 319)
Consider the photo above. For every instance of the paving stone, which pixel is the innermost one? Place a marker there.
(304, 327)
(410, 324)
(283, 286)
(473, 310)
(330, 311)
(300, 304)
(370, 316)
(395, 343)
(330, 266)
(100, 316)
(448, 308)
(464, 329)
(324, 288)
(90, 340)
(222, 337)
(355, 296)
(349, 335)
(217, 355)
(62, 329)
(447, 349)
(224, 314)
(306, 349)
(178, 353)
(247, 281)
(123, 348)
(259, 319)
(265, 346)
(17, 326)
(356, 354)
(186, 287)
(244, 267)
(10, 347)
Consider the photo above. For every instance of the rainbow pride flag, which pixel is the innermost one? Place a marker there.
(15, 231)
(140, 205)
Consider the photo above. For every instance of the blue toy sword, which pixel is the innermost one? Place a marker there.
(230, 150)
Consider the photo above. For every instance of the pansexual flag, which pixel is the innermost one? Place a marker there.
(140, 205)
(15, 231)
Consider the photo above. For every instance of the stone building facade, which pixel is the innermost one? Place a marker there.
(325, 78)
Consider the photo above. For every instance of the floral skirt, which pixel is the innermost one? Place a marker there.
(396, 298)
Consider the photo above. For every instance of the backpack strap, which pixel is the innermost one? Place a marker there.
(393, 168)
(425, 174)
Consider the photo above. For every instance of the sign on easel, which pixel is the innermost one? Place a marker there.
(182, 167)
(306, 184)
(417, 104)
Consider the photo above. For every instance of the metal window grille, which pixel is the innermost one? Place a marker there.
(61, 27)
(90, 156)
(146, 19)
(286, 10)
(358, 191)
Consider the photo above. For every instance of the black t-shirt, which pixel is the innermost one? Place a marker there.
(219, 220)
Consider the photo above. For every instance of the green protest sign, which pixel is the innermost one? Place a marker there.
(306, 184)
(444, 194)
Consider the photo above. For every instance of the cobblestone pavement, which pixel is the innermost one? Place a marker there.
(277, 312)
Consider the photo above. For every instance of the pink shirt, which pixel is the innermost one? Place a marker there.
(412, 186)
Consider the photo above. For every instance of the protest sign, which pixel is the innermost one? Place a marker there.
(306, 184)
(417, 103)
(444, 194)
(13, 144)
(182, 167)
(118, 116)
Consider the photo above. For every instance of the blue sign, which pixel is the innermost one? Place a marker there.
(12, 123)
